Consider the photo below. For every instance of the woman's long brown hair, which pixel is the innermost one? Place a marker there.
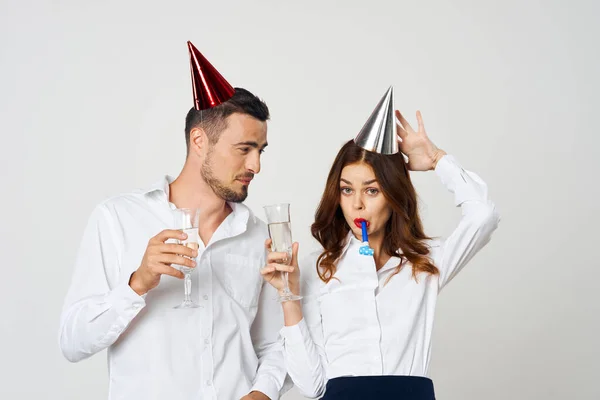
(404, 236)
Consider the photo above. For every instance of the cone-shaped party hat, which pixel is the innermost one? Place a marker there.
(379, 132)
(209, 87)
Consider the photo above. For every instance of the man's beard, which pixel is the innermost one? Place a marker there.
(220, 189)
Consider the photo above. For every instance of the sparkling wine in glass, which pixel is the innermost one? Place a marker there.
(187, 219)
(280, 232)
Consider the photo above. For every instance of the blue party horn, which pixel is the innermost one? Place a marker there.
(365, 249)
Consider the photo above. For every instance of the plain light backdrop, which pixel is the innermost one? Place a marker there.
(93, 97)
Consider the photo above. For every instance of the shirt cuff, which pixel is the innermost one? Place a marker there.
(465, 185)
(268, 386)
(295, 334)
(125, 300)
(447, 168)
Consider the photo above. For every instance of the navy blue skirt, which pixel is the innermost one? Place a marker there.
(380, 388)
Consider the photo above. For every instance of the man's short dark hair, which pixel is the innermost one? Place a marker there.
(213, 120)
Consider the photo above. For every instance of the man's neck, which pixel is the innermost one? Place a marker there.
(191, 191)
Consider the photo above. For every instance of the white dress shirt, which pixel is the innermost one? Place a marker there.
(223, 350)
(357, 325)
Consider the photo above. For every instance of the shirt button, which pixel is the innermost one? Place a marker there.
(208, 383)
(206, 341)
(205, 297)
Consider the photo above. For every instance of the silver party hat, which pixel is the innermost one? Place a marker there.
(379, 132)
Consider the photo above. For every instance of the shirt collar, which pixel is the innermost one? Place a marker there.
(353, 244)
(162, 185)
(236, 223)
(350, 240)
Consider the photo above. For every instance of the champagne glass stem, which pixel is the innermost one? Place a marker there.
(286, 285)
(188, 286)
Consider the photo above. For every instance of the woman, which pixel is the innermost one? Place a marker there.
(364, 327)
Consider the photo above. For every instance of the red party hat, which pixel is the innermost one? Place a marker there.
(209, 86)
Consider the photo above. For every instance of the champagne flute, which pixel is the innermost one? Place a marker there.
(187, 219)
(280, 232)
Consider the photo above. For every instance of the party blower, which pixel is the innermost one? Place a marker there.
(365, 249)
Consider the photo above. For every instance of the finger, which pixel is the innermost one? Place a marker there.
(268, 244)
(295, 253)
(399, 129)
(420, 121)
(404, 122)
(168, 270)
(277, 257)
(167, 234)
(281, 267)
(176, 259)
(267, 270)
(171, 248)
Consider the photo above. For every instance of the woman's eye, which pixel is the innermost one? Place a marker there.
(346, 190)
(372, 191)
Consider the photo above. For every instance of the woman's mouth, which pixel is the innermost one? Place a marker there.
(358, 222)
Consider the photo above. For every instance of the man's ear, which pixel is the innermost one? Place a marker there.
(198, 140)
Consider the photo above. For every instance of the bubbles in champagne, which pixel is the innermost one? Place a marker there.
(192, 243)
(281, 235)
(192, 238)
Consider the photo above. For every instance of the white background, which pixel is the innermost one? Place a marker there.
(93, 97)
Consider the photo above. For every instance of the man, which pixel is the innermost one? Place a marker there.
(125, 286)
